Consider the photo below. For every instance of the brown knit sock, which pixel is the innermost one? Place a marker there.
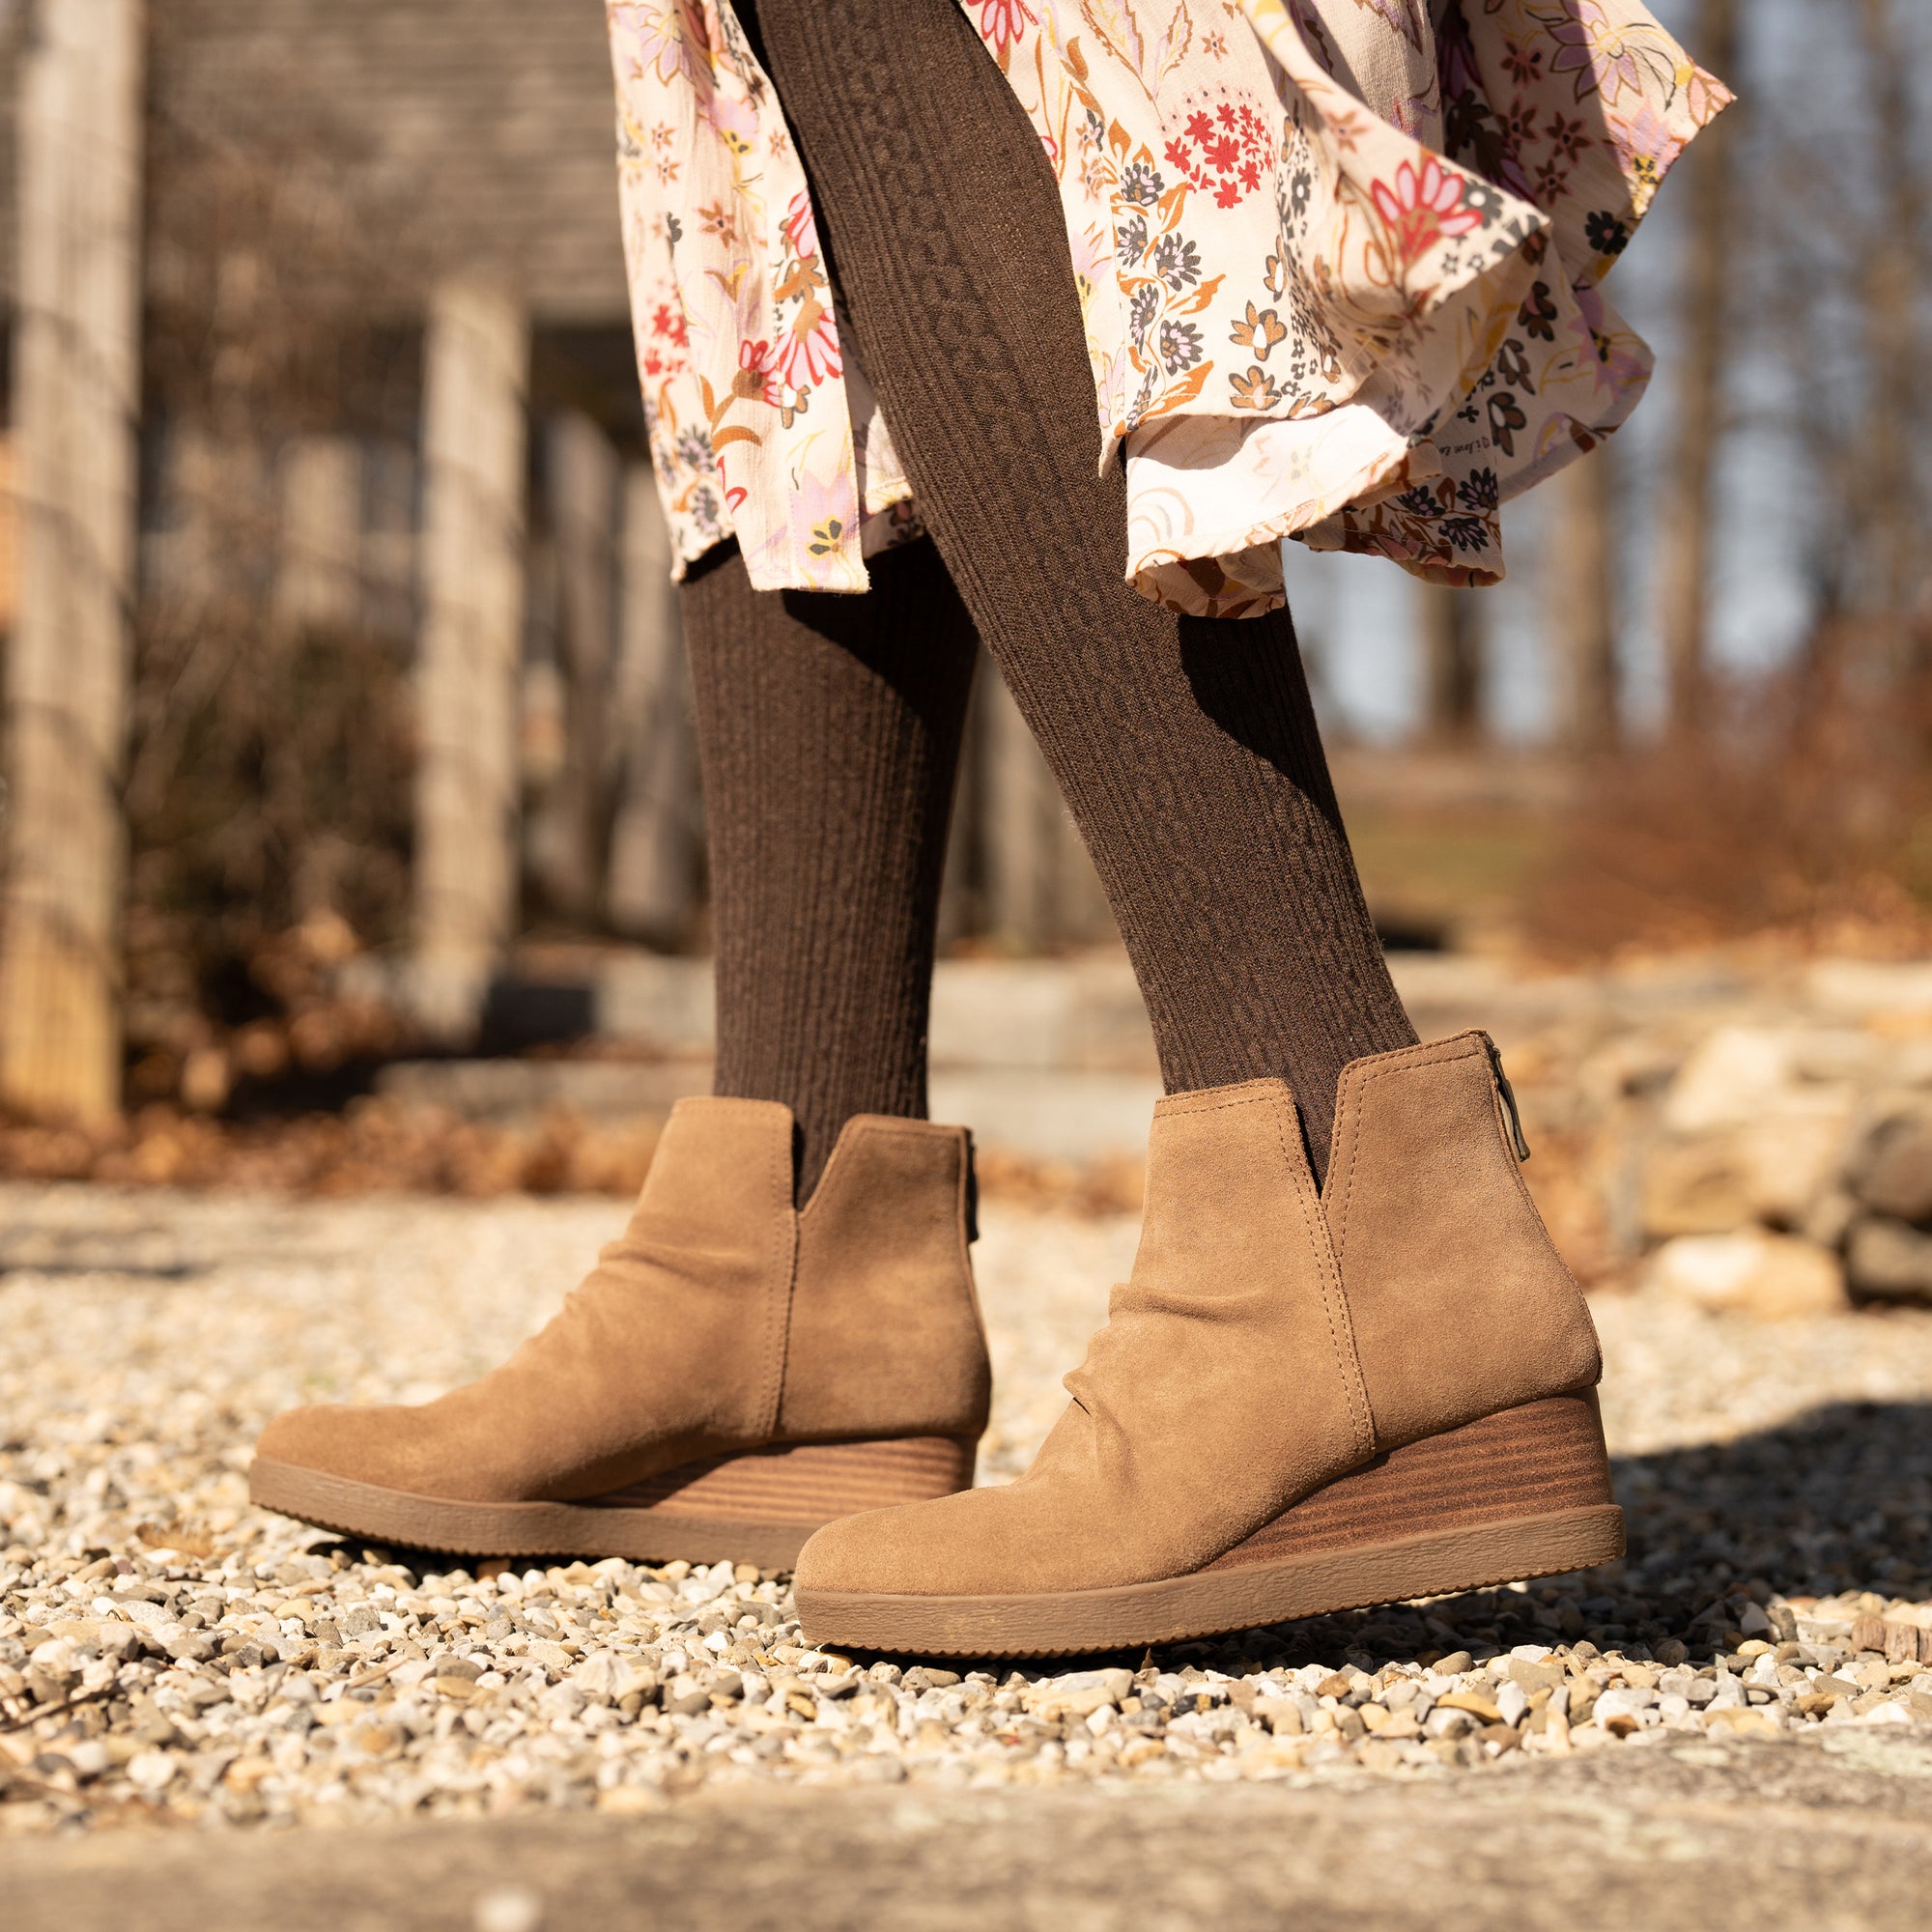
(828, 734)
(1187, 747)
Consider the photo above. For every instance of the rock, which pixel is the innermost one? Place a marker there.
(1280, 1715)
(1795, 1152)
(1770, 1277)
(508, 1908)
(1535, 1675)
(1888, 1261)
(1623, 1701)
(1894, 1172)
(1728, 1079)
(599, 1677)
(930, 1677)
(1755, 1720)
(1886, 1714)
(151, 1770)
(1780, 1167)
(1077, 1696)
(1694, 1187)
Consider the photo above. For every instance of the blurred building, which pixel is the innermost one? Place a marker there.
(317, 308)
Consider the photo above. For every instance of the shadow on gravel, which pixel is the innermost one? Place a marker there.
(1836, 1501)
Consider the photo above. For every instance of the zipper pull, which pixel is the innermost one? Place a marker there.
(1508, 1092)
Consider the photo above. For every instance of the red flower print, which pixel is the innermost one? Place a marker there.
(1421, 209)
(669, 323)
(1226, 148)
(801, 227)
(1002, 21)
(755, 374)
(807, 352)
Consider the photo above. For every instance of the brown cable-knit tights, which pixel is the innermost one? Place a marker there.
(1187, 747)
(828, 735)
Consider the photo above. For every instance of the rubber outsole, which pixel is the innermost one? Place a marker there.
(1132, 1617)
(1523, 1492)
(758, 1507)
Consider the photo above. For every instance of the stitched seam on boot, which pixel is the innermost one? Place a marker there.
(1335, 1306)
(1262, 1098)
(1356, 1133)
(782, 1280)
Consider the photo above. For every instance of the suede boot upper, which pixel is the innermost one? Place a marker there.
(1269, 1339)
(722, 1320)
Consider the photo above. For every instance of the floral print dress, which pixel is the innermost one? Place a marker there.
(1339, 262)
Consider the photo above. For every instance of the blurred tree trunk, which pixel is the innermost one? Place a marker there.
(1580, 601)
(656, 839)
(1709, 219)
(76, 396)
(476, 373)
(1452, 652)
(1889, 529)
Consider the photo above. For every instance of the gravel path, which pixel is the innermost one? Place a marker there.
(168, 1652)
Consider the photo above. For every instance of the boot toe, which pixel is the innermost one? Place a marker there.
(968, 1544)
(365, 1445)
(875, 1553)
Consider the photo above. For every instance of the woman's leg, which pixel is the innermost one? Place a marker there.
(723, 1322)
(1187, 747)
(828, 732)
(1301, 1401)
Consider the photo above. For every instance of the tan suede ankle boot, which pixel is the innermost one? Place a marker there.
(1301, 1402)
(731, 1375)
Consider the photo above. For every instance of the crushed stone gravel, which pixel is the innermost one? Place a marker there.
(169, 1654)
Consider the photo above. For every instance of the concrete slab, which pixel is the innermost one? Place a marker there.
(1685, 1837)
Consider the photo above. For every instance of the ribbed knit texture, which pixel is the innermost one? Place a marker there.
(1187, 747)
(827, 733)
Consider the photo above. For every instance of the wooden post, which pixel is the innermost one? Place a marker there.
(475, 379)
(319, 575)
(1451, 647)
(1580, 602)
(655, 836)
(77, 385)
(570, 841)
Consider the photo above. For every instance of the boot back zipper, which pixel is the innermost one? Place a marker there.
(1508, 1096)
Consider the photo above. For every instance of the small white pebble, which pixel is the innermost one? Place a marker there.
(509, 1908)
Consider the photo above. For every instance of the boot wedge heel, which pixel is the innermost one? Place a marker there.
(757, 1507)
(1523, 1494)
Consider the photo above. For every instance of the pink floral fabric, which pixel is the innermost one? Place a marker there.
(1338, 263)
(762, 426)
